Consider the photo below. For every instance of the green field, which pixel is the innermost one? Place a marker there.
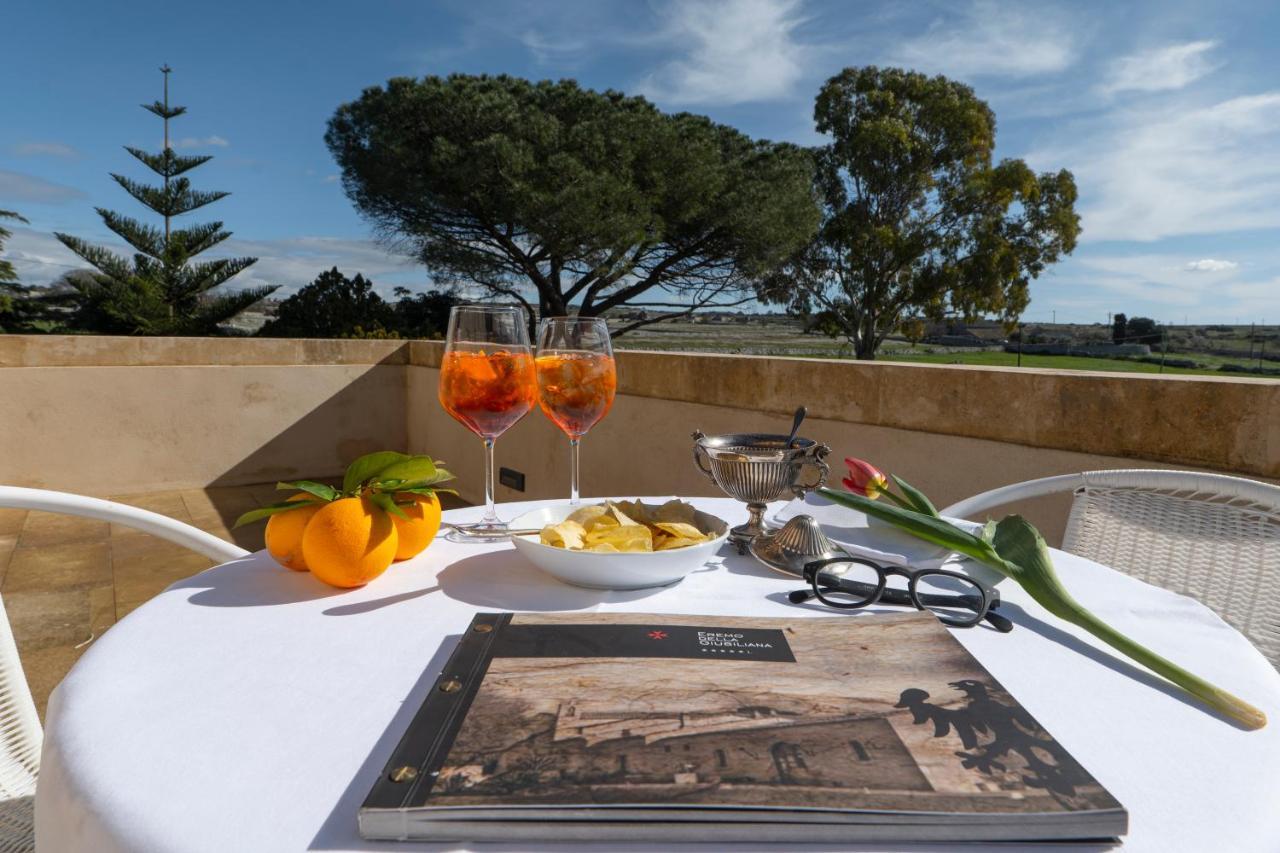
(775, 336)
(989, 358)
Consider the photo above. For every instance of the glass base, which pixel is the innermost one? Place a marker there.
(479, 533)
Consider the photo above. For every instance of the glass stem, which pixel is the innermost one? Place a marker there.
(490, 514)
(574, 497)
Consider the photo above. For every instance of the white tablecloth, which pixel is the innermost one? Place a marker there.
(250, 708)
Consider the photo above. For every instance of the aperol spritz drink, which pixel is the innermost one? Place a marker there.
(487, 383)
(577, 379)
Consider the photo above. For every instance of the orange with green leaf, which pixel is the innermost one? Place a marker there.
(386, 510)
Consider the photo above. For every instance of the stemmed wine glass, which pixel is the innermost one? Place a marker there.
(487, 383)
(577, 379)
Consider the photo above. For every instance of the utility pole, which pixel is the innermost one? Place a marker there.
(1021, 334)
(1252, 330)
(1164, 347)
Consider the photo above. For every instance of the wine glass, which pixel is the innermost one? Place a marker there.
(487, 384)
(577, 379)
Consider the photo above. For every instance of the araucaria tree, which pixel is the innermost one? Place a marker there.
(163, 291)
(559, 197)
(917, 218)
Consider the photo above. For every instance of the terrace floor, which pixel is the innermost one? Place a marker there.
(65, 581)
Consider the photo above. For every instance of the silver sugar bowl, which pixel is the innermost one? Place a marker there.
(757, 468)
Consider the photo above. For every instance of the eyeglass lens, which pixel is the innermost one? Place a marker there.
(956, 600)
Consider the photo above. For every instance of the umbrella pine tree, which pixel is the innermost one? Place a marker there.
(163, 290)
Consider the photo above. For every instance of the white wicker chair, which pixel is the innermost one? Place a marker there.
(20, 734)
(1212, 537)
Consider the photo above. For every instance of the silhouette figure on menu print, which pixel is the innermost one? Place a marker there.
(993, 733)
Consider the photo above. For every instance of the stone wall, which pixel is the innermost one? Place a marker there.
(114, 415)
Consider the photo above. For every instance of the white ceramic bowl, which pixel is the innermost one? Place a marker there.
(614, 571)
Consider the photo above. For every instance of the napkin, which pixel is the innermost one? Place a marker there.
(863, 536)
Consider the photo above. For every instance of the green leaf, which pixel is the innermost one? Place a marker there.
(915, 497)
(262, 512)
(369, 466)
(412, 469)
(926, 527)
(387, 503)
(320, 490)
(426, 490)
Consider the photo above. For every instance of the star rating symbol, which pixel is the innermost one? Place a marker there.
(657, 635)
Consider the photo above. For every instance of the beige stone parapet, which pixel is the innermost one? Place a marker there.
(1226, 424)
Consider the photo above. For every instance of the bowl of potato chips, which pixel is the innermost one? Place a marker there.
(620, 544)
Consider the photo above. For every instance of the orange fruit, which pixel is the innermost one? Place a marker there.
(284, 533)
(349, 542)
(416, 531)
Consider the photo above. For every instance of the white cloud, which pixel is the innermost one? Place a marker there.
(200, 142)
(24, 188)
(735, 51)
(1161, 69)
(291, 263)
(552, 50)
(989, 39)
(1210, 265)
(1146, 174)
(45, 149)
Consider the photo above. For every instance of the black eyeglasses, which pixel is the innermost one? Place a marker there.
(851, 582)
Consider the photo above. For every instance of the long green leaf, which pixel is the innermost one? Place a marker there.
(369, 466)
(916, 497)
(1015, 549)
(921, 526)
(264, 511)
(1025, 558)
(320, 490)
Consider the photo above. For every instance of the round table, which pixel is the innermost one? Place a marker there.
(250, 707)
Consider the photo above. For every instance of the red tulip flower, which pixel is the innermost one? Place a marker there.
(865, 479)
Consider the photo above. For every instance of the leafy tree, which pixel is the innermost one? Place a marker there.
(1119, 329)
(1143, 330)
(423, 315)
(22, 309)
(333, 306)
(163, 291)
(917, 218)
(913, 329)
(553, 195)
(8, 275)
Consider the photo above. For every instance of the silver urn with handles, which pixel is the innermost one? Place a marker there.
(757, 468)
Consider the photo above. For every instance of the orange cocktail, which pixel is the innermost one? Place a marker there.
(576, 389)
(487, 391)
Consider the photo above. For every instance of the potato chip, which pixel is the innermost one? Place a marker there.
(619, 527)
(625, 538)
(566, 534)
(675, 511)
(585, 513)
(680, 530)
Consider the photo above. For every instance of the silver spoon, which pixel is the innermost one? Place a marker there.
(795, 424)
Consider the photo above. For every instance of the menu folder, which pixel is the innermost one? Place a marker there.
(659, 728)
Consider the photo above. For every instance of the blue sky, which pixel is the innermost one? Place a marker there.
(1167, 113)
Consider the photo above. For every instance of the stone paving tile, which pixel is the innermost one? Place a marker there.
(46, 667)
(11, 521)
(57, 567)
(8, 542)
(42, 618)
(144, 575)
(166, 503)
(46, 528)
